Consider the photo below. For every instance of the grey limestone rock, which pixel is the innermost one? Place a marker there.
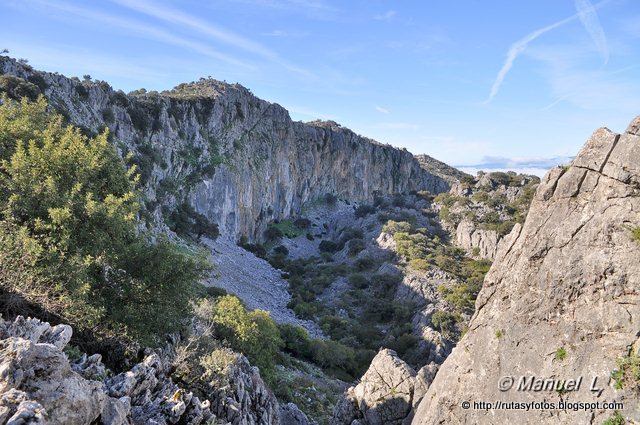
(386, 394)
(565, 282)
(239, 160)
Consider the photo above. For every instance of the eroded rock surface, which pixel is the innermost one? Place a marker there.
(386, 394)
(38, 385)
(561, 300)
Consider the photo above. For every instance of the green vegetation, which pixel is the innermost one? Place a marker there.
(69, 244)
(561, 354)
(499, 334)
(636, 234)
(445, 322)
(616, 418)
(17, 88)
(503, 215)
(364, 210)
(627, 373)
(252, 333)
(186, 222)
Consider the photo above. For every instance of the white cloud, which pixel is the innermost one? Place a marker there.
(144, 30)
(589, 18)
(515, 50)
(382, 110)
(387, 16)
(586, 13)
(527, 165)
(214, 32)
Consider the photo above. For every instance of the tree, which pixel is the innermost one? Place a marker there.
(69, 202)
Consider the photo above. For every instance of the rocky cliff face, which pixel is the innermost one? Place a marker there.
(560, 302)
(238, 160)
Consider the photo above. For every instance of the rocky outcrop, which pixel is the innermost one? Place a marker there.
(480, 211)
(39, 385)
(386, 394)
(238, 160)
(561, 301)
(438, 168)
(481, 241)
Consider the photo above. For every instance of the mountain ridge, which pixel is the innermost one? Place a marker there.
(237, 160)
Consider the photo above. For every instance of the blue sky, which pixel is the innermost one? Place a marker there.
(485, 83)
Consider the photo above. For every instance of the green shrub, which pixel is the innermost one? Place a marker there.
(17, 88)
(69, 204)
(392, 227)
(445, 322)
(358, 280)
(364, 210)
(217, 365)
(330, 199)
(355, 247)
(616, 418)
(561, 354)
(273, 233)
(627, 373)
(636, 234)
(328, 246)
(252, 333)
(296, 341)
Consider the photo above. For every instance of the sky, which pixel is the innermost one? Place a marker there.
(478, 84)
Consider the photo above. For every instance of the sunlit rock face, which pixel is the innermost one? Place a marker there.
(561, 300)
(239, 160)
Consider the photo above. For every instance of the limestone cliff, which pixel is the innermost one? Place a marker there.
(560, 302)
(238, 160)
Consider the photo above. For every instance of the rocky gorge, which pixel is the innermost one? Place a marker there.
(363, 265)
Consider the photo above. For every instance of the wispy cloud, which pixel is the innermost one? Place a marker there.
(387, 16)
(143, 30)
(214, 32)
(286, 34)
(491, 162)
(586, 12)
(537, 166)
(573, 80)
(589, 18)
(515, 50)
(382, 110)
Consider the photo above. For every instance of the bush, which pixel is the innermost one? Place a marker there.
(252, 333)
(627, 373)
(70, 205)
(217, 366)
(17, 88)
(296, 341)
(328, 246)
(616, 418)
(356, 246)
(636, 234)
(445, 322)
(364, 210)
(330, 199)
(392, 227)
(281, 249)
(358, 281)
(273, 233)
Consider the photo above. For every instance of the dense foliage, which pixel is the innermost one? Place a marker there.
(69, 242)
